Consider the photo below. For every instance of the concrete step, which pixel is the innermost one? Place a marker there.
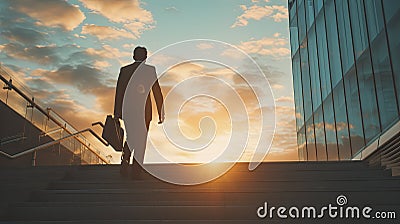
(253, 176)
(390, 197)
(228, 187)
(281, 166)
(98, 194)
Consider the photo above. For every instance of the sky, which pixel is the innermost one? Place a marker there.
(69, 52)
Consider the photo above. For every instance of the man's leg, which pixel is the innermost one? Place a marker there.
(138, 158)
(125, 160)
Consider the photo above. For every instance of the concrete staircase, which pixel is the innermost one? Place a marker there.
(98, 194)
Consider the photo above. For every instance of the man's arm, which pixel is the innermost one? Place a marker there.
(159, 99)
(118, 98)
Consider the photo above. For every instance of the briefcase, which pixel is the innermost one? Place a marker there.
(113, 133)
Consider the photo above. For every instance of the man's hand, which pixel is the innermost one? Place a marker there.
(116, 115)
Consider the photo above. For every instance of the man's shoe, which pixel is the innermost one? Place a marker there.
(124, 169)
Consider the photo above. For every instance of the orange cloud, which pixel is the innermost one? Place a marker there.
(276, 47)
(106, 32)
(257, 12)
(129, 12)
(51, 13)
(121, 11)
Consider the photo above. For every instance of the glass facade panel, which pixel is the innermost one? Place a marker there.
(384, 80)
(368, 97)
(305, 75)
(320, 135)
(354, 111)
(358, 25)
(294, 37)
(318, 6)
(302, 22)
(314, 68)
(345, 76)
(330, 129)
(301, 142)
(342, 131)
(309, 4)
(345, 37)
(381, 63)
(392, 16)
(298, 95)
(323, 55)
(373, 10)
(311, 149)
(333, 43)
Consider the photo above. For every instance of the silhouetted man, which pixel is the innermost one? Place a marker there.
(139, 108)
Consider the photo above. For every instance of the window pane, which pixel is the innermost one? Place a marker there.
(373, 10)
(383, 80)
(381, 63)
(330, 129)
(318, 6)
(333, 44)
(301, 142)
(298, 95)
(354, 111)
(323, 55)
(310, 13)
(320, 135)
(391, 8)
(346, 45)
(292, 8)
(368, 97)
(302, 22)
(294, 38)
(314, 70)
(342, 130)
(305, 75)
(392, 13)
(311, 150)
(359, 29)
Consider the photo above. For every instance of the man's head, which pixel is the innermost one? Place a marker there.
(140, 54)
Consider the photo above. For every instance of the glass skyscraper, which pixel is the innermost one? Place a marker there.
(346, 75)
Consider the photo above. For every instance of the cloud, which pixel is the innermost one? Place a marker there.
(257, 12)
(127, 12)
(106, 32)
(278, 87)
(284, 99)
(82, 77)
(51, 13)
(275, 47)
(121, 11)
(88, 80)
(107, 52)
(23, 35)
(101, 64)
(204, 46)
(137, 27)
(44, 55)
(171, 9)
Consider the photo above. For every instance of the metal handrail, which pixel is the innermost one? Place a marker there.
(31, 102)
(48, 144)
(49, 132)
(11, 139)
